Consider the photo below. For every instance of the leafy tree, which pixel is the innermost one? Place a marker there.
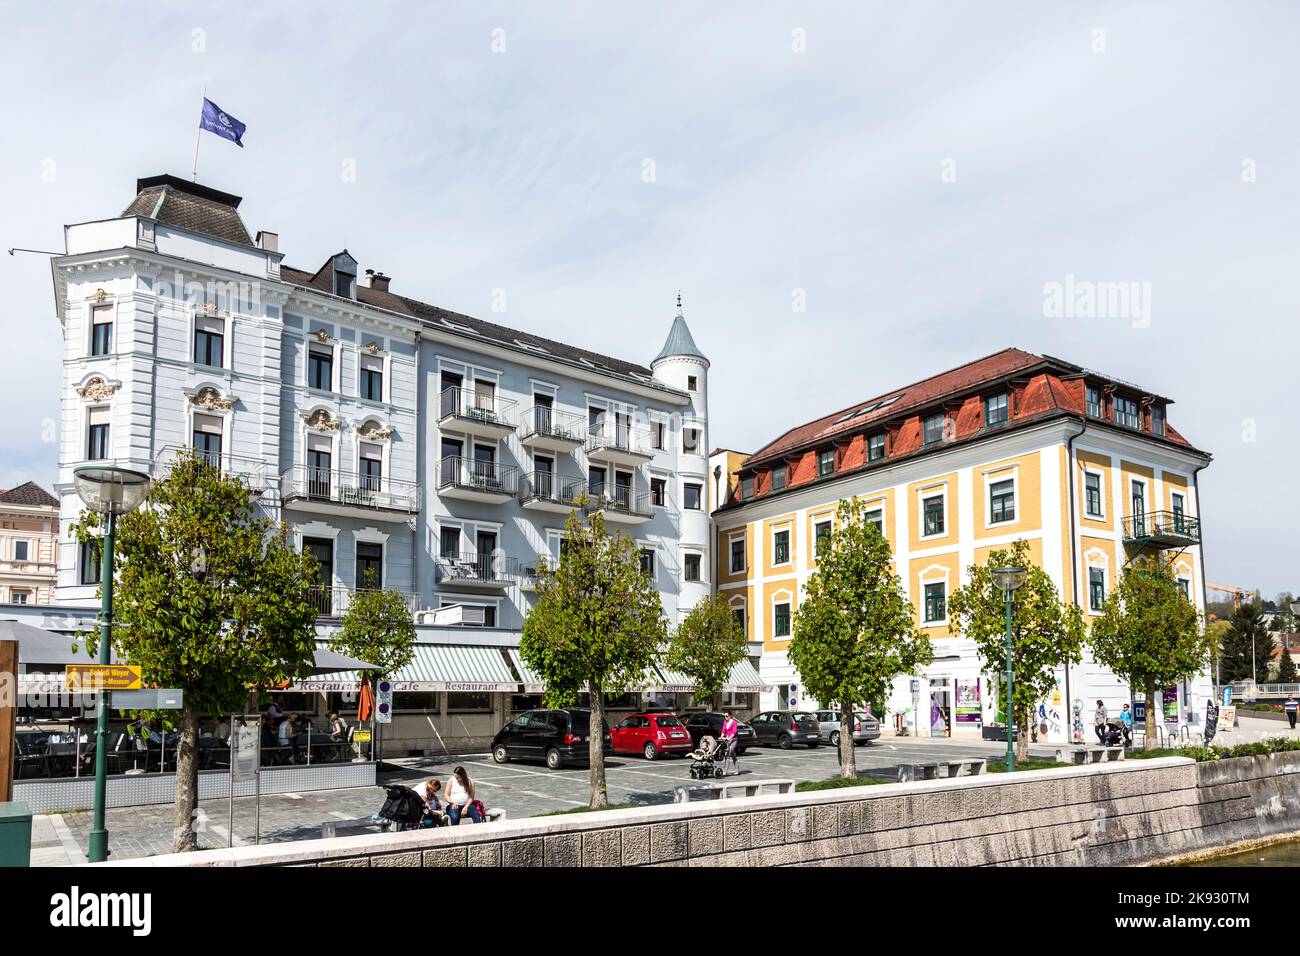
(1149, 633)
(597, 626)
(706, 645)
(1246, 646)
(854, 630)
(1286, 672)
(244, 622)
(1046, 633)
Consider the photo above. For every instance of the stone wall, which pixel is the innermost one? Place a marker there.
(1128, 812)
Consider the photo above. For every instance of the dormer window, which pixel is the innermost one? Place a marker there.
(1158, 420)
(1094, 401)
(778, 477)
(1126, 413)
(932, 429)
(747, 486)
(345, 276)
(996, 409)
(876, 447)
(825, 462)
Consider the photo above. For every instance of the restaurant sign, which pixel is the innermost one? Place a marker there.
(402, 686)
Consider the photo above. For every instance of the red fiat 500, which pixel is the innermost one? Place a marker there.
(651, 735)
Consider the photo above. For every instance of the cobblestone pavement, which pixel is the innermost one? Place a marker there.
(521, 789)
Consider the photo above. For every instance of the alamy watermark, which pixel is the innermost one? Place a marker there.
(1085, 299)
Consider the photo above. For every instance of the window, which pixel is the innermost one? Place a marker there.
(1185, 586)
(995, 409)
(101, 330)
(1179, 505)
(691, 496)
(648, 562)
(658, 491)
(825, 462)
(747, 486)
(448, 542)
(97, 434)
(876, 447)
(1094, 401)
(1096, 589)
(691, 565)
(21, 550)
(932, 509)
(370, 458)
(89, 562)
(320, 368)
(692, 383)
(477, 702)
(822, 535)
(1126, 413)
(343, 284)
(781, 621)
(370, 565)
(206, 438)
(1157, 420)
(778, 477)
(936, 605)
(690, 440)
(209, 340)
(932, 429)
(1002, 501)
(781, 547)
(876, 517)
(372, 378)
(737, 555)
(1092, 495)
(739, 614)
(18, 597)
(658, 431)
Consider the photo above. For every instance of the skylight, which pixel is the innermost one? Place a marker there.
(457, 327)
(532, 346)
(889, 401)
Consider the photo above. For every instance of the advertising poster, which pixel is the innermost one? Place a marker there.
(1169, 704)
(967, 709)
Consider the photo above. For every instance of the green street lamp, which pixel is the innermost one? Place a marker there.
(1009, 580)
(110, 492)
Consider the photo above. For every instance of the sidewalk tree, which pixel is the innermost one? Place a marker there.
(1046, 633)
(377, 628)
(219, 628)
(854, 629)
(706, 645)
(1149, 634)
(597, 626)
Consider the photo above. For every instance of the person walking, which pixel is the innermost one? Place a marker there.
(1099, 722)
(1290, 707)
(460, 798)
(1126, 725)
(730, 728)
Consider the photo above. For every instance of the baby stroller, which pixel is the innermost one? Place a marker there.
(1111, 734)
(404, 810)
(705, 758)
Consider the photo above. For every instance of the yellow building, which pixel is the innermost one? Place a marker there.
(1085, 468)
(29, 544)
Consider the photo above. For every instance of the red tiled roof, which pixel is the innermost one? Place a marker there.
(29, 493)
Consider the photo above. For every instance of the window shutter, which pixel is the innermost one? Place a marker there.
(372, 363)
(98, 415)
(207, 424)
(208, 323)
(319, 443)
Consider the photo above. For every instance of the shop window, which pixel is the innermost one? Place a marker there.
(463, 702)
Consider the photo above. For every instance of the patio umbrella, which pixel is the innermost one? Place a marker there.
(37, 646)
(366, 705)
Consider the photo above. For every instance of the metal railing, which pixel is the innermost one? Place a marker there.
(490, 477)
(548, 486)
(349, 488)
(621, 498)
(617, 433)
(253, 473)
(468, 404)
(1162, 524)
(335, 601)
(471, 567)
(546, 422)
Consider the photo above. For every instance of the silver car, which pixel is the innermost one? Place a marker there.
(865, 727)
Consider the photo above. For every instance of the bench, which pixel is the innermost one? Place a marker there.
(1084, 755)
(331, 828)
(941, 769)
(737, 788)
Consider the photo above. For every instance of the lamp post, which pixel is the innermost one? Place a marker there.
(110, 492)
(1009, 580)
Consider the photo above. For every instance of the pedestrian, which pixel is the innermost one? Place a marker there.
(433, 813)
(1290, 707)
(1099, 722)
(1126, 725)
(460, 798)
(730, 728)
(338, 726)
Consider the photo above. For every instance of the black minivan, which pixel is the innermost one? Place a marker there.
(555, 736)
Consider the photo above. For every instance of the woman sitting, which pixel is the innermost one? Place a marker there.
(433, 812)
(460, 798)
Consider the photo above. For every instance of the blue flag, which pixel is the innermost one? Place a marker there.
(223, 124)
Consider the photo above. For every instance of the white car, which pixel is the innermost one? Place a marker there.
(866, 728)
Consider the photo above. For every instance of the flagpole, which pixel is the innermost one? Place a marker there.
(198, 137)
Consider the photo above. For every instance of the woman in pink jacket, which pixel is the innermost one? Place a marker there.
(729, 730)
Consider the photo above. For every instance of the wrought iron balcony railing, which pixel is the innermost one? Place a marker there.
(470, 567)
(253, 473)
(335, 601)
(616, 434)
(544, 422)
(623, 499)
(471, 405)
(469, 474)
(1163, 528)
(347, 488)
(548, 486)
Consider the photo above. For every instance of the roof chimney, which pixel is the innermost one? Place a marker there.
(378, 280)
(270, 241)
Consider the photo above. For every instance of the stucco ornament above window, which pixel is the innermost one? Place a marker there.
(99, 296)
(210, 398)
(320, 419)
(373, 348)
(96, 390)
(322, 335)
(375, 431)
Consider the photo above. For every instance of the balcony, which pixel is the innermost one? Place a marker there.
(612, 440)
(547, 491)
(1161, 529)
(251, 472)
(470, 480)
(476, 412)
(327, 491)
(620, 504)
(474, 570)
(545, 429)
(335, 601)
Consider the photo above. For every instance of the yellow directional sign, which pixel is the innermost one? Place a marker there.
(361, 736)
(97, 677)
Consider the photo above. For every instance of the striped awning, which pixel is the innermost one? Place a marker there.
(455, 667)
(744, 678)
(532, 683)
(670, 681)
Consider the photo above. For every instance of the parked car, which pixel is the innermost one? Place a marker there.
(710, 725)
(557, 737)
(651, 735)
(785, 729)
(865, 727)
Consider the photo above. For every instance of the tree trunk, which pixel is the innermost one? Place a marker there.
(596, 747)
(184, 838)
(848, 757)
(1150, 742)
(1022, 735)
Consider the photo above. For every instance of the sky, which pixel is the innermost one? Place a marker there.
(850, 196)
